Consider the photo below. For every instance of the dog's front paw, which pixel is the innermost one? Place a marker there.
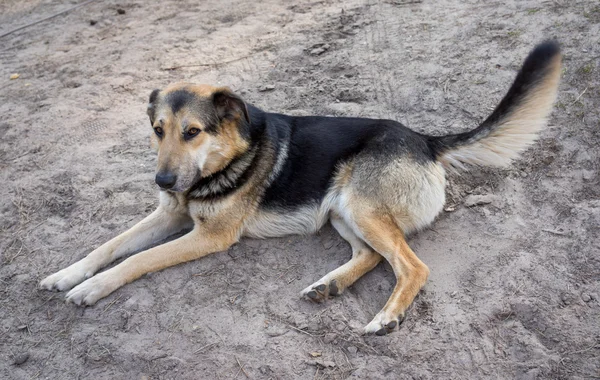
(321, 290)
(383, 324)
(66, 278)
(92, 290)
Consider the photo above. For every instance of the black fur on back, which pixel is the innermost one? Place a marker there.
(316, 145)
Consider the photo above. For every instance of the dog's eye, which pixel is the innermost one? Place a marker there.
(159, 131)
(191, 132)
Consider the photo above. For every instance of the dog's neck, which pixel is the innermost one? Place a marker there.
(226, 180)
(265, 158)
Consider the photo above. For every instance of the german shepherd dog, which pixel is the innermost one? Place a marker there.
(227, 169)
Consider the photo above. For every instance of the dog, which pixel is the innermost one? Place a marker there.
(227, 169)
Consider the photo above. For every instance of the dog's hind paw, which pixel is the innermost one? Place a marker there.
(320, 291)
(383, 324)
(65, 279)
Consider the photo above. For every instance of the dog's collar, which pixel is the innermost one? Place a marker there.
(225, 180)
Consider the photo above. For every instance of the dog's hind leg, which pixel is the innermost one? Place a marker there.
(364, 259)
(382, 233)
(168, 219)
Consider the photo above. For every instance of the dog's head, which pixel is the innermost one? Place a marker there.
(198, 130)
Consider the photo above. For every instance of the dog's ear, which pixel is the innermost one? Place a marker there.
(228, 104)
(152, 105)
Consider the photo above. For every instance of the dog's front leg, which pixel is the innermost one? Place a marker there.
(170, 217)
(196, 244)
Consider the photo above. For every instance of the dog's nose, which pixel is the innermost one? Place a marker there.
(165, 180)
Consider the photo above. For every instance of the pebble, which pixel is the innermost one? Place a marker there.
(328, 338)
(477, 200)
(353, 350)
(86, 179)
(322, 363)
(319, 49)
(301, 326)
(266, 88)
(21, 358)
(586, 297)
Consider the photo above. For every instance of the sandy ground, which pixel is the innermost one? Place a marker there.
(515, 282)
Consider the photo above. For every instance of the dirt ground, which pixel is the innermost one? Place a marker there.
(514, 290)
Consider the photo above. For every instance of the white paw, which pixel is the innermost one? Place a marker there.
(66, 278)
(321, 290)
(90, 291)
(383, 324)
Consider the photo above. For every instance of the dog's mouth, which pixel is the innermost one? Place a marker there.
(181, 184)
(174, 189)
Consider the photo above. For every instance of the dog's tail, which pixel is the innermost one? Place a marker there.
(516, 121)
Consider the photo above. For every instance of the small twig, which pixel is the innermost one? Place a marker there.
(498, 236)
(110, 304)
(205, 64)
(44, 304)
(348, 360)
(219, 335)
(405, 2)
(241, 367)
(582, 351)
(45, 19)
(555, 232)
(287, 270)
(4, 332)
(205, 346)
(565, 355)
(19, 156)
(580, 95)
(361, 344)
(209, 272)
(302, 331)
